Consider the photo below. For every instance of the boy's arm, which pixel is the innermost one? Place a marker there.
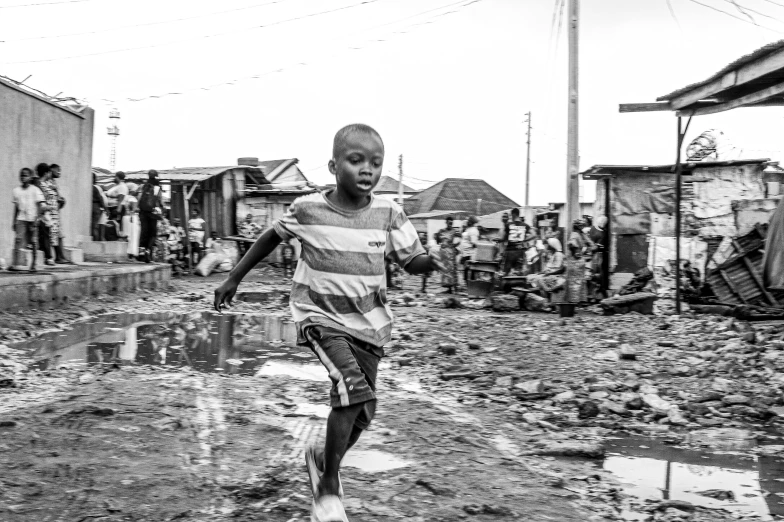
(263, 246)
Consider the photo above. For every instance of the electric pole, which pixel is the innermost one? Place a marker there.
(400, 181)
(573, 158)
(528, 162)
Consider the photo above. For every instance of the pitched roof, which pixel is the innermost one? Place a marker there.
(459, 194)
(388, 184)
(271, 170)
(604, 170)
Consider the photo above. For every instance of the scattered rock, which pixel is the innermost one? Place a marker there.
(587, 410)
(718, 494)
(505, 303)
(530, 386)
(447, 349)
(627, 352)
(736, 399)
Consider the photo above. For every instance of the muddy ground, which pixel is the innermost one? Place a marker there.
(482, 416)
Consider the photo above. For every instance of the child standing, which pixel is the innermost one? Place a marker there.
(28, 208)
(338, 297)
(196, 235)
(287, 253)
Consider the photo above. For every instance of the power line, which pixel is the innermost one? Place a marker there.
(774, 3)
(282, 69)
(146, 24)
(214, 35)
(746, 10)
(733, 16)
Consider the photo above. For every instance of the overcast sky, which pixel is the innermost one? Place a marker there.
(446, 84)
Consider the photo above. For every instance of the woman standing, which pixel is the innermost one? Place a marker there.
(49, 227)
(598, 236)
(130, 223)
(468, 244)
(575, 291)
(448, 238)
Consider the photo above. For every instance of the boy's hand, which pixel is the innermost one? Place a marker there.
(225, 293)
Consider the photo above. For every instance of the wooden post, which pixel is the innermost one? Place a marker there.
(573, 185)
(187, 229)
(528, 162)
(678, 221)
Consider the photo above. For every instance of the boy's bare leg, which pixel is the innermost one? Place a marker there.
(341, 435)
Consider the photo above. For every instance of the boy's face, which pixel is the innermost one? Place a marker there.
(56, 172)
(357, 167)
(25, 177)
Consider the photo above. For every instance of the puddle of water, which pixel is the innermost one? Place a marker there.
(650, 469)
(371, 461)
(229, 343)
(307, 372)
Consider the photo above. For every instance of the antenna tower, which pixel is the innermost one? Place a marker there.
(113, 131)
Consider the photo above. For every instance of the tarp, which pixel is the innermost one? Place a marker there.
(773, 260)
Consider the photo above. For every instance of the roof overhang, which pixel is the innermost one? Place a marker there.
(598, 172)
(754, 80)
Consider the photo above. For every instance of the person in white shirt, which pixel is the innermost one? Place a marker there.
(470, 238)
(116, 195)
(29, 205)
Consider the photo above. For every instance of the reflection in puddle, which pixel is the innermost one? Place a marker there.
(307, 372)
(649, 469)
(371, 461)
(207, 342)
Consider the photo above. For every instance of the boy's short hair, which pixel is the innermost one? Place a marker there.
(121, 176)
(342, 135)
(54, 166)
(25, 169)
(516, 211)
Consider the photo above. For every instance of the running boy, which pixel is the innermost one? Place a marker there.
(338, 298)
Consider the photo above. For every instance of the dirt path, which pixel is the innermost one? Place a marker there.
(477, 411)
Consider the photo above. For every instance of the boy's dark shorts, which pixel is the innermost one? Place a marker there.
(352, 365)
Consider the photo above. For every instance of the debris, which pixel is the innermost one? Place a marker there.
(627, 352)
(588, 409)
(530, 386)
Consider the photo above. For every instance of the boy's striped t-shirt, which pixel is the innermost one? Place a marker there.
(340, 279)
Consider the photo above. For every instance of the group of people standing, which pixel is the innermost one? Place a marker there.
(573, 274)
(136, 214)
(37, 204)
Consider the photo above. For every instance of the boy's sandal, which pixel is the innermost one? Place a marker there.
(314, 474)
(328, 508)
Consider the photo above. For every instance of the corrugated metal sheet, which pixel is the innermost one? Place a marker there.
(182, 174)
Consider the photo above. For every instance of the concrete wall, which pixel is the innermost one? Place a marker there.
(35, 131)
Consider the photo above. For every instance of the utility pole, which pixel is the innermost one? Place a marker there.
(400, 181)
(528, 161)
(573, 158)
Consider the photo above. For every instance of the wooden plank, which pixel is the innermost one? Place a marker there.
(755, 97)
(644, 107)
(732, 286)
(757, 279)
(745, 74)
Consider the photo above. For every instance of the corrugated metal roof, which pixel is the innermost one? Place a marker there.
(670, 169)
(388, 184)
(437, 213)
(459, 194)
(184, 174)
(740, 62)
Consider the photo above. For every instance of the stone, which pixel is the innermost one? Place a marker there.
(735, 399)
(749, 337)
(632, 400)
(609, 355)
(656, 403)
(465, 374)
(569, 449)
(87, 378)
(709, 396)
(447, 349)
(627, 352)
(721, 385)
(598, 395)
(615, 408)
(676, 417)
(474, 345)
(505, 303)
(698, 408)
(587, 410)
(569, 396)
(530, 386)
(504, 382)
(718, 494)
